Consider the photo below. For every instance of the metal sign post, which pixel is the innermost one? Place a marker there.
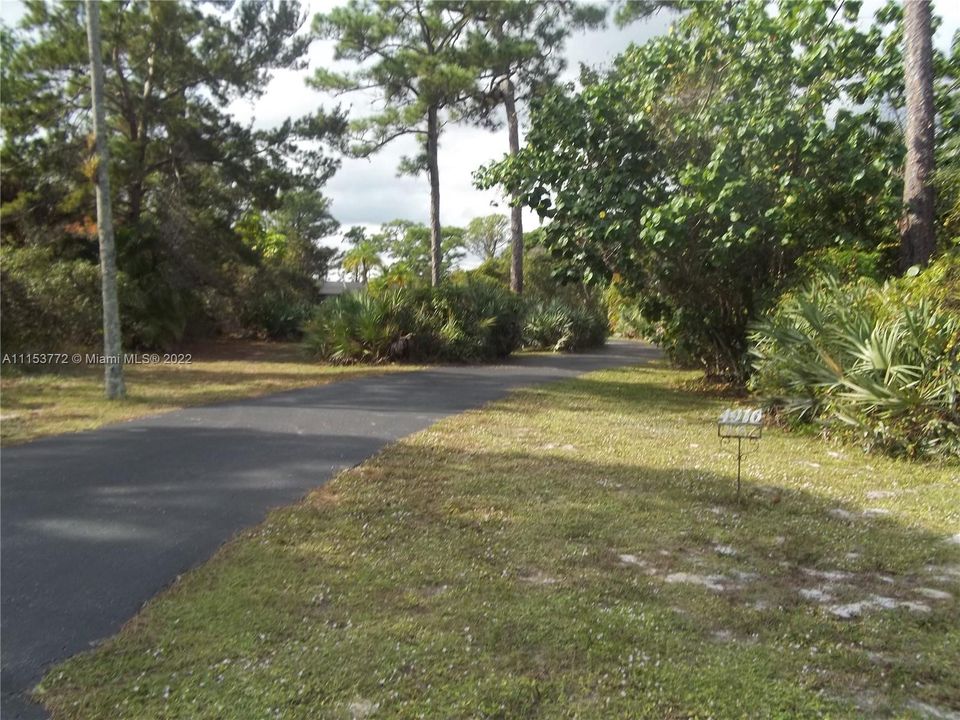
(740, 424)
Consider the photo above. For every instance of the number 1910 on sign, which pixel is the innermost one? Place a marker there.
(741, 416)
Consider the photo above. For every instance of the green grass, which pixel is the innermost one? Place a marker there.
(34, 405)
(539, 558)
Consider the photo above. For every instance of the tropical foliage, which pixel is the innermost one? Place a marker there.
(469, 321)
(881, 362)
(711, 160)
(560, 326)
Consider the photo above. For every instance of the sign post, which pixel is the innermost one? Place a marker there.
(740, 424)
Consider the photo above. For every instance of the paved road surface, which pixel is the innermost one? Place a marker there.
(94, 524)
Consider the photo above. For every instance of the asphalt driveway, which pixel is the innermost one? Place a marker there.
(94, 524)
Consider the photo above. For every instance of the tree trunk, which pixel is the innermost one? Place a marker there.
(516, 213)
(137, 191)
(113, 362)
(433, 136)
(136, 203)
(917, 235)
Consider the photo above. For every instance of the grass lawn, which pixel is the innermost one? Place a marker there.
(572, 551)
(34, 405)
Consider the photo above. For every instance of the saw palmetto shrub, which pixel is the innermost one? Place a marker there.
(880, 363)
(475, 320)
(562, 326)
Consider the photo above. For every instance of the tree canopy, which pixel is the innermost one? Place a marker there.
(411, 54)
(485, 236)
(709, 161)
(184, 170)
(408, 244)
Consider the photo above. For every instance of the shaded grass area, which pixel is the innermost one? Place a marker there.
(35, 404)
(573, 551)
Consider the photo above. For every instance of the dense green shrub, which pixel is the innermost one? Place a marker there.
(846, 264)
(477, 320)
(274, 303)
(52, 304)
(48, 304)
(279, 314)
(355, 327)
(470, 321)
(561, 326)
(881, 362)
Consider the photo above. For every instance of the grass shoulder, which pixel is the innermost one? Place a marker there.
(575, 550)
(38, 404)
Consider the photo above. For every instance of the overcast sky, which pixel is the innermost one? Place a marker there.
(368, 192)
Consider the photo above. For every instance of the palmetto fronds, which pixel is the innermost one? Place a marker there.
(560, 326)
(455, 322)
(878, 360)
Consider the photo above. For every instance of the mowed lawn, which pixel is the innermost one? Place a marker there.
(37, 404)
(574, 551)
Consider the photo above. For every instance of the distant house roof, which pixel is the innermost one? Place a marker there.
(338, 287)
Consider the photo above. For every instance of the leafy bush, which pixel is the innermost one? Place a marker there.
(478, 320)
(273, 303)
(880, 362)
(561, 326)
(48, 304)
(470, 321)
(279, 314)
(846, 264)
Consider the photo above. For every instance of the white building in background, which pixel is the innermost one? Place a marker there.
(339, 287)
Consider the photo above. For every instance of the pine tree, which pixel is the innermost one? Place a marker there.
(519, 44)
(410, 53)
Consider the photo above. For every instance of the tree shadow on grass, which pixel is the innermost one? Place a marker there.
(527, 527)
(781, 562)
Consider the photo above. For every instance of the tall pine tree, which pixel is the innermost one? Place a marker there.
(184, 170)
(409, 52)
(518, 44)
(917, 232)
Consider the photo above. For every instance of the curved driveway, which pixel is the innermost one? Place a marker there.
(94, 524)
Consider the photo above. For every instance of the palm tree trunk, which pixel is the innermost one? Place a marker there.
(113, 362)
(433, 137)
(516, 217)
(917, 235)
